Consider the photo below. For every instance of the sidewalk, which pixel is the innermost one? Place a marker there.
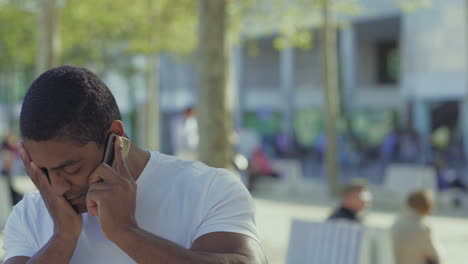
(276, 208)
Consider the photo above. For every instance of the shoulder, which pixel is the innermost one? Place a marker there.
(29, 208)
(27, 213)
(342, 213)
(196, 183)
(31, 203)
(193, 173)
(407, 224)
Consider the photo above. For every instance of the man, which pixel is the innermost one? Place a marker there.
(413, 241)
(355, 197)
(147, 208)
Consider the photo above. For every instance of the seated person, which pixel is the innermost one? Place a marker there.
(355, 197)
(412, 237)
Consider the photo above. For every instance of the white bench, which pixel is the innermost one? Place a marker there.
(338, 242)
(328, 242)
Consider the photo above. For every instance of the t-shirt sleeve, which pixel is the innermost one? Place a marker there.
(228, 207)
(16, 241)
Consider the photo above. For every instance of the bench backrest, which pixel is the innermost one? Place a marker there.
(324, 242)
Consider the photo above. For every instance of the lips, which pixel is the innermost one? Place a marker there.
(74, 198)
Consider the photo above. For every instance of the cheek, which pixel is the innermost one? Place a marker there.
(80, 180)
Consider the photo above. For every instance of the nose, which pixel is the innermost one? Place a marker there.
(60, 185)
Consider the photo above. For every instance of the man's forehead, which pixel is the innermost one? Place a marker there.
(54, 153)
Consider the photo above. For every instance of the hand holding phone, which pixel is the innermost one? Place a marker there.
(109, 152)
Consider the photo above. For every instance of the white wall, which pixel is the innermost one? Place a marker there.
(434, 51)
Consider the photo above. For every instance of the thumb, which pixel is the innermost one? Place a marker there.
(92, 206)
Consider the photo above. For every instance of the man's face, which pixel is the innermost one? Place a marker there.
(359, 200)
(69, 166)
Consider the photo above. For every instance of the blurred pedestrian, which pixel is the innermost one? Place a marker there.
(389, 147)
(185, 135)
(355, 198)
(412, 237)
(449, 179)
(9, 155)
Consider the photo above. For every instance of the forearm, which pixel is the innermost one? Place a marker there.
(144, 247)
(57, 250)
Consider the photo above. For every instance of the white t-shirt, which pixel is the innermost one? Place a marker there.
(177, 200)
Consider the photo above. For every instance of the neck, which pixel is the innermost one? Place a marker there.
(136, 161)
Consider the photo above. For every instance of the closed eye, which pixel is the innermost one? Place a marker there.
(76, 171)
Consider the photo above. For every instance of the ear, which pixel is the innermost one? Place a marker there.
(117, 127)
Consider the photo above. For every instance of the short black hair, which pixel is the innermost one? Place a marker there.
(68, 103)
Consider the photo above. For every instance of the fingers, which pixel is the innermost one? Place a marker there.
(39, 178)
(106, 173)
(95, 177)
(92, 205)
(120, 164)
(95, 196)
(31, 168)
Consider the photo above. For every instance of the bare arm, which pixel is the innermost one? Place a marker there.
(213, 248)
(57, 250)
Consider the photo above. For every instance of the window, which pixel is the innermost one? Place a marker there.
(388, 62)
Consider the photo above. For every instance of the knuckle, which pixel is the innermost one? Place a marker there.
(91, 196)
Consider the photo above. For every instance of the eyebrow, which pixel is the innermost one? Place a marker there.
(66, 164)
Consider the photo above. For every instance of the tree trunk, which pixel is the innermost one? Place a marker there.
(151, 116)
(332, 97)
(152, 112)
(214, 116)
(48, 52)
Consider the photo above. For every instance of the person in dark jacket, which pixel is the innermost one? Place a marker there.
(355, 197)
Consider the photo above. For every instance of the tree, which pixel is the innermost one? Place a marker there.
(49, 41)
(17, 50)
(17, 36)
(164, 26)
(332, 107)
(118, 32)
(214, 117)
(292, 21)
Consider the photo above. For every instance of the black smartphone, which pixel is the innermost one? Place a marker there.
(109, 151)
